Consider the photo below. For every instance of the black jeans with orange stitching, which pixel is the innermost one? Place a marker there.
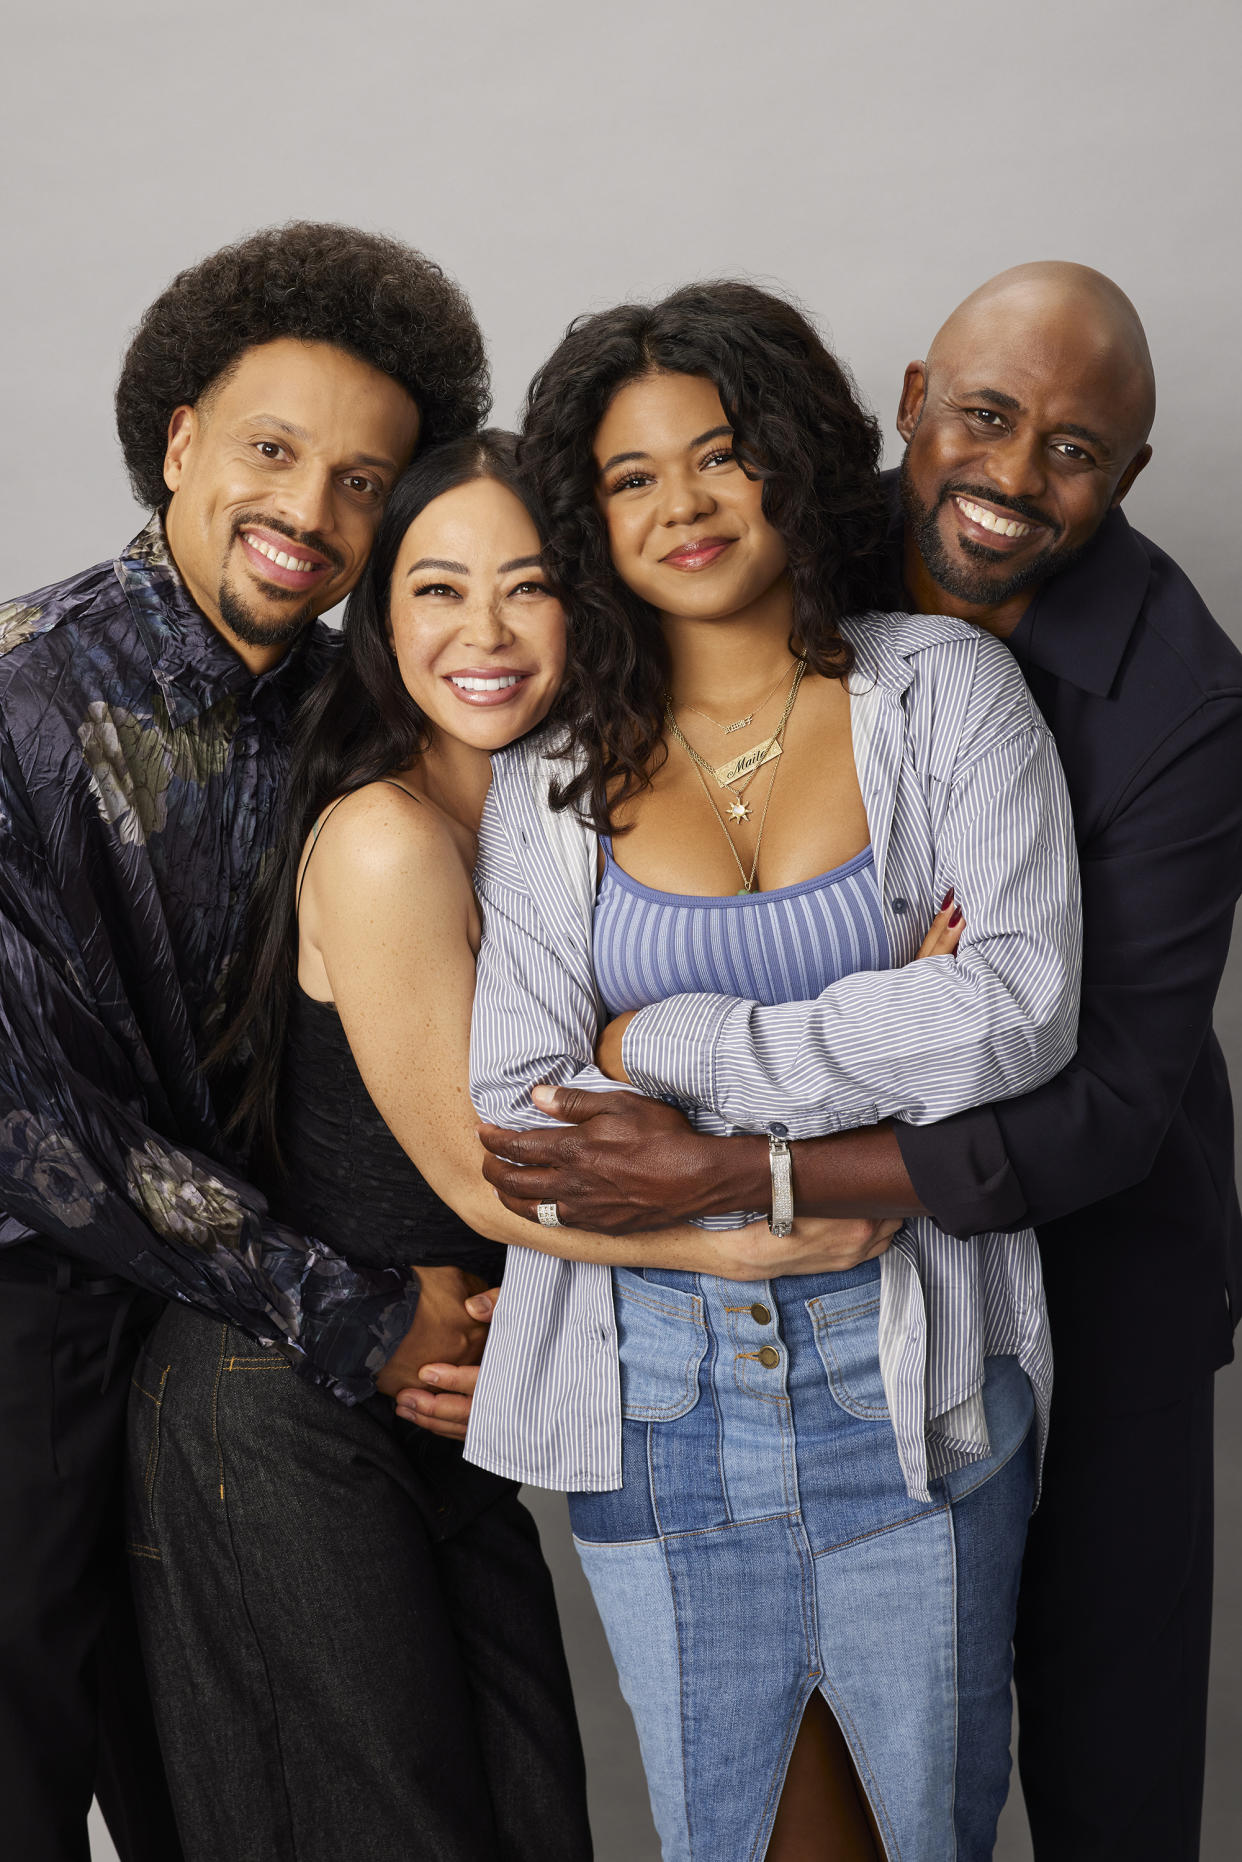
(351, 1633)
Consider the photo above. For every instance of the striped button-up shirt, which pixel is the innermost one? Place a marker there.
(962, 788)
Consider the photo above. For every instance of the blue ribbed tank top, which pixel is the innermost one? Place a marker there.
(780, 946)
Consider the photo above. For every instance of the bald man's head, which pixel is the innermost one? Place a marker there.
(1059, 317)
(1026, 423)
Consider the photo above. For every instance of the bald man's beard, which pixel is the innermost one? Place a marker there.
(988, 584)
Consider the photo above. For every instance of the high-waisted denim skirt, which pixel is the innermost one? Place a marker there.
(763, 1545)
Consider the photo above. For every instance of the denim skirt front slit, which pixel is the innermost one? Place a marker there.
(763, 1545)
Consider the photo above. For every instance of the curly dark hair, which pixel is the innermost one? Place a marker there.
(798, 425)
(374, 297)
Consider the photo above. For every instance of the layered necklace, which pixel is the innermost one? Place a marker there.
(738, 774)
(739, 724)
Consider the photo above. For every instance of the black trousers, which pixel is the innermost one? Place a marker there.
(1114, 1633)
(75, 1720)
(351, 1634)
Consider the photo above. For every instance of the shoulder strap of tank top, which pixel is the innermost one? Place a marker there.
(322, 822)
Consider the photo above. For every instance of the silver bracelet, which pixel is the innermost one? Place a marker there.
(781, 1220)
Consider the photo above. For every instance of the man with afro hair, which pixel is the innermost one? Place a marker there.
(270, 398)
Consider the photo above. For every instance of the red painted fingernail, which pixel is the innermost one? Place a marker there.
(956, 918)
(947, 899)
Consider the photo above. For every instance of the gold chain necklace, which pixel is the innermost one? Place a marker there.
(748, 879)
(739, 724)
(737, 775)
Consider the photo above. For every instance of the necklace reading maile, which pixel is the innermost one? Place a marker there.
(727, 774)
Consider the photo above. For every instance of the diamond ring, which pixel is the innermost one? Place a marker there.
(545, 1213)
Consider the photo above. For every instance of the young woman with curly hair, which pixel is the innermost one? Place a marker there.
(351, 1634)
(802, 1506)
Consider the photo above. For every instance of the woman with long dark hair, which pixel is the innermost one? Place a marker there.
(351, 1633)
(802, 1505)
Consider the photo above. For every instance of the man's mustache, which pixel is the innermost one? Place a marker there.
(311, 538)
(1021, 507)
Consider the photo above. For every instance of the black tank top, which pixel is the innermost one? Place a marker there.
(345, 1179)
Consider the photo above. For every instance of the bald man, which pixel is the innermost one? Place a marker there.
(1026, 426)
(1048, 454)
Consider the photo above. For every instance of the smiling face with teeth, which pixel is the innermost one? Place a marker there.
(1024, 427)
(279, 476)
(476, 627)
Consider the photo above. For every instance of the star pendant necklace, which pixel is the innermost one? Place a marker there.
(748, 879)
(737, 775)
(766, 754)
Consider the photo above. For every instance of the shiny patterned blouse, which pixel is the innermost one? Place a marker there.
(141, 764)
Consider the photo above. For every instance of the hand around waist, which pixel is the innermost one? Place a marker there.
(620, 1164)
(448, 1333)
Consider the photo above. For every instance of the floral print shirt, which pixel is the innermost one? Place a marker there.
(140, 770)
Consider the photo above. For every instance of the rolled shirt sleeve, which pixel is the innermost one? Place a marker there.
(922, 1041)
(537, 1010)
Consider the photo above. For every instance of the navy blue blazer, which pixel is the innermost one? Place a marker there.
(1124, 1162)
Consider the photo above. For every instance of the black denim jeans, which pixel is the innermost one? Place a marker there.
(350, 1633)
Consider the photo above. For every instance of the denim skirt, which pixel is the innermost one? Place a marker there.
(763, 1544)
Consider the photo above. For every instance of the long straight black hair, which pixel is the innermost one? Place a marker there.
(358, 724)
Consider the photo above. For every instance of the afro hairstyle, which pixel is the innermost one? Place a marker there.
(374, 297)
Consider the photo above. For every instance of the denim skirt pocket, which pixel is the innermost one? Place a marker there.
(847, 1337)
(662, 1338)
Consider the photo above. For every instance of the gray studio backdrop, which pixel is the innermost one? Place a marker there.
(876, 159)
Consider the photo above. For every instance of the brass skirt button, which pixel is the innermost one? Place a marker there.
(768, 1357)
(760, 1315)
